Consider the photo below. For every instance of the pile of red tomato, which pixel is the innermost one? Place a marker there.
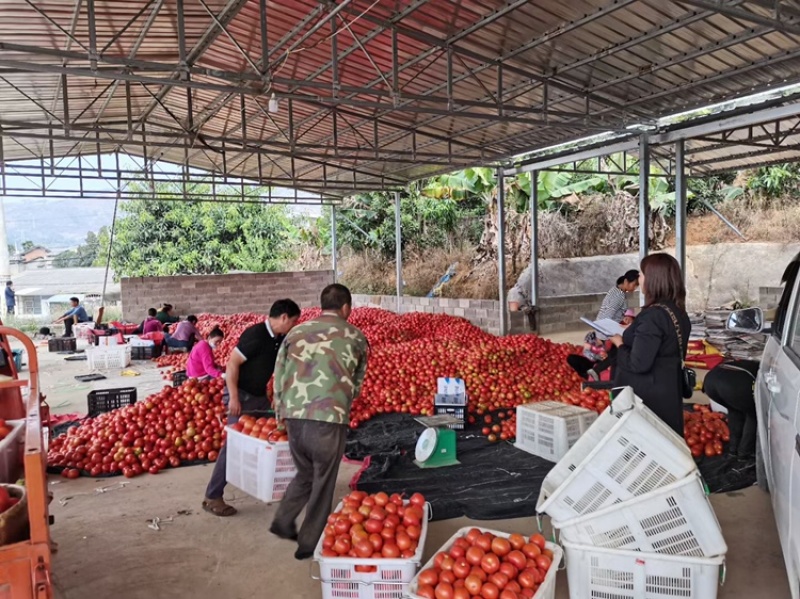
(262, 428)
(375, 526)
(171, 427)
(705, 431)
(499, 426)
(481, 564)
(408, 352)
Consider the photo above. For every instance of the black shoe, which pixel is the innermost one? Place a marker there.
(301, 555)
(282, 535)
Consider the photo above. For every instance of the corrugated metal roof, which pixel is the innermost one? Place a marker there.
(564, 70)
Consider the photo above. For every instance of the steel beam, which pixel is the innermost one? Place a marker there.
(785, 24)
(680, 206)
(501, 251)
(398, 243)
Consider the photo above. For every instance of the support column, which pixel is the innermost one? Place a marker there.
(680, 205)
(334, 256)
(501, 251)
(5, 265)
(398, 240)
(644, 201)
(534, 238)
(644, 196)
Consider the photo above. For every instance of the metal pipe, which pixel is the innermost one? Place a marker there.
(534, 238)
(334, 256)
(680, 205)
(398, 240)
(501, 251)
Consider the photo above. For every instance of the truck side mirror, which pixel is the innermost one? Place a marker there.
(749, 320)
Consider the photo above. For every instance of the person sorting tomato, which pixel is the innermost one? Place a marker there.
(246, 376)
(201, 359)
(318, 374)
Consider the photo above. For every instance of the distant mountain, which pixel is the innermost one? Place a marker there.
(55, 224)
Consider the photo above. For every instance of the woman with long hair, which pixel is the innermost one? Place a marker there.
(651, 352)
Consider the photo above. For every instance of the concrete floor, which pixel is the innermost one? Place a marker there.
(106, 548)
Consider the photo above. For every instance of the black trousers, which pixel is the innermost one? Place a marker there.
(317, 449)
(254, 405)
(731, 385)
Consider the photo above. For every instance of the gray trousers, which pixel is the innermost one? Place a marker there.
(317, 449)
(253, 405)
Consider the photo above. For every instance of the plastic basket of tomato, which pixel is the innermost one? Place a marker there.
(549, 428)
(677, 520)
(12, 440)
(488, 562)
(259, 461)
(381, 564)
(598, 572)
(627, 452)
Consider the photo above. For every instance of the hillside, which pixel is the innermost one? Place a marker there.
(55, 224)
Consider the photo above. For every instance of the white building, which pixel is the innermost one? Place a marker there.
(47, 291)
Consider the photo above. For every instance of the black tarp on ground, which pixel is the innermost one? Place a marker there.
(492, 482)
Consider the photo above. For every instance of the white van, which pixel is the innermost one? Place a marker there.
(777, 395)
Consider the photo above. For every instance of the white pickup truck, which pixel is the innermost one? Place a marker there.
(777, 395)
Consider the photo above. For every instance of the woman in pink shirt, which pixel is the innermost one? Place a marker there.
(151, 324)
(201, 359)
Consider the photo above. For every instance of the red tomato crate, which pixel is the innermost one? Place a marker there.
(369, 578)
(546, 590)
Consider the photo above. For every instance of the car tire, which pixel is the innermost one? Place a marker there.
(761, 468)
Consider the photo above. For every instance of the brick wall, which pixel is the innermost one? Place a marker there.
(221, 294)
(768, 297)
(555, 313)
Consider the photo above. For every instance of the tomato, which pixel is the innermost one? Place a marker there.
(517, 541)
(447, 577)
(461, 568)
(517, 559)
(461, 593)
(426, 591)
(474, 555)
(543, 562)
(507, 594)
(444, 590)
(429, 576)
(363, 548)
(501, 546)
(472, 534)
(538, 540)
(473, 585)
(499, 579)
(490, 591)
(509, 570)
(417, 499)
(484, 542)
(390, 550)
(531, 551)
(490, 563)
(527, 579)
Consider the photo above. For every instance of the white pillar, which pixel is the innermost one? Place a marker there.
(5, 266)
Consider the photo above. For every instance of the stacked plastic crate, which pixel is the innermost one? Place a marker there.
(451, 399)
(633, 512)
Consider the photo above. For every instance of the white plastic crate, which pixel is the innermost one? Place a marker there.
(108, 357)
(380, 578)
(546, 590)
(11, 449)
(611, 573)
(627, 452)
(677, 520)
(259, 468)
(83, 330)
(549, 428)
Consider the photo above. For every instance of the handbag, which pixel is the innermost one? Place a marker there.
(688, 375)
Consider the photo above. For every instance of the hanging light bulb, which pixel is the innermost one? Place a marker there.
(273, 103)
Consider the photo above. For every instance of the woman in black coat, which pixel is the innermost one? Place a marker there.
(652, 350)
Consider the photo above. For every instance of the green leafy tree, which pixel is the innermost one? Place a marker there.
(86, 254)
(27, 246)
(173, 236)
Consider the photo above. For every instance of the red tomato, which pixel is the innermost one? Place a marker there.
(501, 546)
(444, 590)
(517, 559)
(426, 591)
(430, 576)
(490, 563)
(461, 568)
(473, 585)
(490, 591)
(538, 540)
(475, 555)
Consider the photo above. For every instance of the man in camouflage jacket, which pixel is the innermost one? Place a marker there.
(318, 374)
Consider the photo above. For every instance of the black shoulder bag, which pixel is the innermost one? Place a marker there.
(688, 376)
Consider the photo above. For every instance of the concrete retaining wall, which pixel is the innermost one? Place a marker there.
(555, 313)
(221, 294)
(768, 297)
